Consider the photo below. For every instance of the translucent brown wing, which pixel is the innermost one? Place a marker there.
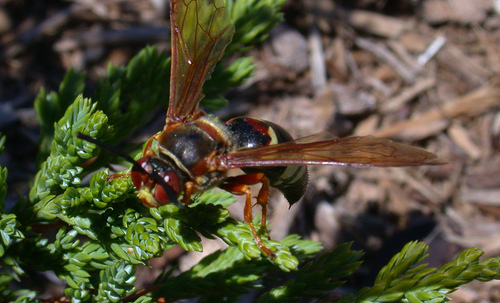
(324, 149)
(201, 30)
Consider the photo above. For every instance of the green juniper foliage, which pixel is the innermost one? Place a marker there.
(103, 231)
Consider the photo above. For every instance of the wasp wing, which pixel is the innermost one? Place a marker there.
(324, 149)
(201, 30)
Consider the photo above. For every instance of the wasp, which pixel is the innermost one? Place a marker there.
(195, 150)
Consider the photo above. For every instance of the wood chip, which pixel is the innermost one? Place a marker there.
(321, 13)
(484, 175)
(327, 223)
(483, 134)
(399, 202)
(431, 50)
(362, 192)
(495, 129)
(407, 95)
(49, 27)
(463, 11)
(317, 58)
(114, 37)
(351, 100)
(294, 58)
(367, 126)
(490, 47)
(377, 24)
(403, 53)
(466, 11)
(437, 119)
(421, 185)
(461, 137)
(335, 56)
(282, 216)
(455, 60)
(414, 41)
(386, 55)
(471, 232)
(481, 196)
(435, 11)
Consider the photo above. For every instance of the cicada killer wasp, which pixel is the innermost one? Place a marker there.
(195, 150)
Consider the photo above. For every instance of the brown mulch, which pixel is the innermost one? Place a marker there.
(419, 72)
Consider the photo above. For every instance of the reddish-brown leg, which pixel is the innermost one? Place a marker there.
(110, 178)
(147, 149)
(189, 189)
(262, 197)
(239, 186)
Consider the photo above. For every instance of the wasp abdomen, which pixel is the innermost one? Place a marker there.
(251, 132)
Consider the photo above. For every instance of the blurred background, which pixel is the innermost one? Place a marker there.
(421, 72)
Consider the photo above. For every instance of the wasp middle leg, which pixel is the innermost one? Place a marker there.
(239, 185)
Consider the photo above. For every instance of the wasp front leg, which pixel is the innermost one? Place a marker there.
(240, 186)
(146, 152)
(189, 189)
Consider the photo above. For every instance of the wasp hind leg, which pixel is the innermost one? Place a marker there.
(239, 185)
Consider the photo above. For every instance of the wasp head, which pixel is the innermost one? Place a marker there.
(158, 184)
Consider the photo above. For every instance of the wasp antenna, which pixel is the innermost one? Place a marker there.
(107, 147)
(168, 189)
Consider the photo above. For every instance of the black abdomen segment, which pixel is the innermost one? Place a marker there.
(251, 132)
